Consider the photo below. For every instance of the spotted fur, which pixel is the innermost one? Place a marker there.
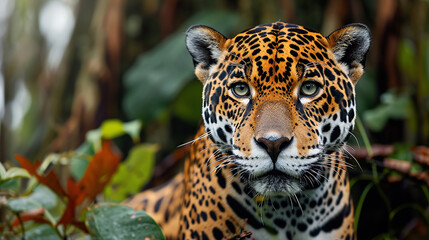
(268, 162)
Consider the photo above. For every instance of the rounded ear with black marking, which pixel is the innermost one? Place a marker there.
(205, 46)
(350, 45)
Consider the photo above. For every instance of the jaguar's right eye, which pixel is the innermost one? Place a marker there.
(240, 90)
(309, 88)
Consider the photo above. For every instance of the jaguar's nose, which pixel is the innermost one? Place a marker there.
(274, 146)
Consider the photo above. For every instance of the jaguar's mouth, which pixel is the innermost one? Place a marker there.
(278, 182)
(276, 174)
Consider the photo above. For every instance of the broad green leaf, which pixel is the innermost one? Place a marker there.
(158, 75)
(41, 197)
(42, 232)
(133, 173)
(112, 222)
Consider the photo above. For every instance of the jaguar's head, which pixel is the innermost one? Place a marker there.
(278, 98)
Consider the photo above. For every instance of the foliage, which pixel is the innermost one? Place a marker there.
(158, 75)
(50, 209)
(393, 181)
(392, 106)
(133, 173)
(121, 222)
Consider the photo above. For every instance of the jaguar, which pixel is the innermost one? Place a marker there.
(268, 161)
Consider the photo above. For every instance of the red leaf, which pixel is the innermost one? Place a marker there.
(32, 215)
(69, 215)
(50, 180)
(99, 171)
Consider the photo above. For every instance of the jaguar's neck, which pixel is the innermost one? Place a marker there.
(215, 194)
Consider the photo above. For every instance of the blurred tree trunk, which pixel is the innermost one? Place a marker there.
(21, 67)
(385, 44)
(95, 95)
(335, 15)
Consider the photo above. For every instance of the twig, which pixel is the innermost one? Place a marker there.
(18, 216)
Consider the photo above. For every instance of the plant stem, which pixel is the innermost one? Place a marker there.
(22, 225)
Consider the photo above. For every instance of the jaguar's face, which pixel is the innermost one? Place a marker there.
(278, 97)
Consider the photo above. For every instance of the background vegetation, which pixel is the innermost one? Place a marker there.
(69, 65)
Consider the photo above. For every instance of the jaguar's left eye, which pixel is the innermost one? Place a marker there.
(241, 89)
(309, 89)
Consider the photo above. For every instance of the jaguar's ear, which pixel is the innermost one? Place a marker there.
(205, 46)
(350, 45)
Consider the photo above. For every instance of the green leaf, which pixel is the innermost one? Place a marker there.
(78, 167)
(133, 173)
(85, 149)
(79, 163)
(42, 232)
(392, 106)
(133, 129)
(16, 172)
(112, 128)
(158, 75)
(110, 221)
(12, 173)
(12, 184)
(93, 137)
(41, 197)
(376, 118)
(2, 171)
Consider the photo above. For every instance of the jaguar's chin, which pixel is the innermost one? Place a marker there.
(275, 182)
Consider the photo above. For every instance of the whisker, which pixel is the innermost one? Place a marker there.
(339, 160)
(204, 135)
(353, 157)
(354, 136)
(299, 204)
(209, 147)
